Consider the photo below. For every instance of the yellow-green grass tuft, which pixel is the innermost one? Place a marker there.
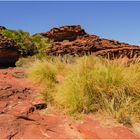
(42, 72)
(96, 84)
(91, 84)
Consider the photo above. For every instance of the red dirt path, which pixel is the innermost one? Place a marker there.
(21, 115)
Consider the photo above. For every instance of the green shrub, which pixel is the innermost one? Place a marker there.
(23, 40)
(28, 45)
(41, 44)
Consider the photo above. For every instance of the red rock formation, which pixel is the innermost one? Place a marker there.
(64, 33)
(9, 53)
(83, 43)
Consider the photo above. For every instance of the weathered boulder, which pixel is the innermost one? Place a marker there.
(2, 28)
(9, 52)
(85, 44)
(64, 33)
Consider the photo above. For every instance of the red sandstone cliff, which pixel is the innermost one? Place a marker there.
(73, 40)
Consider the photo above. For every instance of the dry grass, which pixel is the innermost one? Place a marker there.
(92, 84)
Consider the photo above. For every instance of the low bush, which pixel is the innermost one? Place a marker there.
(23, 40)
(41, 43)
(28, 45)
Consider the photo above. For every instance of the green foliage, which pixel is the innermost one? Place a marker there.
(23, 40)
(41, 44)
(28, 45)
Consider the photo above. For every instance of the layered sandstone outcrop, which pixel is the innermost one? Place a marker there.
(90, 44)
(64, 33)
(9, 53)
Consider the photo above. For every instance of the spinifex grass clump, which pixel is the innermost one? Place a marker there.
(42, 72)
(96, 84)
(92, 84)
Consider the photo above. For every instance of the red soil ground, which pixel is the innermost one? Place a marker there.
(22, 117)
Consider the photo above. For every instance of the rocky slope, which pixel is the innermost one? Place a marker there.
(73, 40)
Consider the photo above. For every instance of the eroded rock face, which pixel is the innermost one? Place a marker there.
(65, 33)
(9, 53)
(2, 28)
(85, 44)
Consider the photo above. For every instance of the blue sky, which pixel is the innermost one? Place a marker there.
(113, 20)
